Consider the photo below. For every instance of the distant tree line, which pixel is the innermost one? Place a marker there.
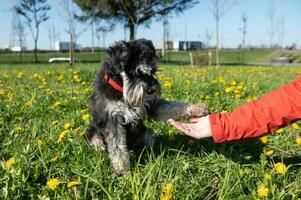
(102, 15)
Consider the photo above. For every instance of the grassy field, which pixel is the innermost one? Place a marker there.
(44, 154)
(226, 57)
(80, 57)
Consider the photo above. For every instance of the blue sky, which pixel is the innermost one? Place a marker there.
(198, 20)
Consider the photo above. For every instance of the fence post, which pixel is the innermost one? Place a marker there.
(191, 59)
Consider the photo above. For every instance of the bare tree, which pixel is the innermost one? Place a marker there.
(53, 36)
(68, 8)
(273, 28)
(102, 29)
(208, 37)
(34, 12)
(281, 32)
(244, 32)
(218, 9)
(164, 19)
(19, 30)
(92, 35)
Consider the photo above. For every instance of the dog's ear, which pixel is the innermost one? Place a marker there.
(120, 53)
(147, 42)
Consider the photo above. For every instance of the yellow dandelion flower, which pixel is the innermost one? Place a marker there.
(85, 117)
(54, 159)
(40, 142)
(167, 192)
(28, 104)
(280, 168)
(53, 183)
(295, 126)
(20, 74)
(82, 134)
(267, 177)
(281, 130)
(263, 191)
(269, 153)
(62, 136)
(221, 80)
(67, 125)
(264, 139)
(73, 183)
(239, 87)
(228, 89)
(10, 162)
(78, 128)
(10, 95)
(18, 129)
(298, 140)
(57, 104)
(237, 96)
(216, 94)
(167, 85)
(233, 82)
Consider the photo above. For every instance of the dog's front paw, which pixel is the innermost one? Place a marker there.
(120, 166)
(198, 110)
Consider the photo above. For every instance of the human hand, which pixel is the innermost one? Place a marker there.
(198, 128)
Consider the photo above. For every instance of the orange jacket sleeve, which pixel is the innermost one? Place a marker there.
(272, 111)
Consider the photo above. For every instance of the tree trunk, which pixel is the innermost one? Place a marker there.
(21, 55)
(133, 31)
(71, 50)
(217, 43)
(35, 50)
(92, 29)
(21, 50)
(103, 40)
(163, 36)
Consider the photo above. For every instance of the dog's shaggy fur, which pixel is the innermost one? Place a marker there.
(117, 119)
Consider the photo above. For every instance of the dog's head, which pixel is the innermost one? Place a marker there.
(136, 63)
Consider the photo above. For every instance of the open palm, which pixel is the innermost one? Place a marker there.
(198, 128)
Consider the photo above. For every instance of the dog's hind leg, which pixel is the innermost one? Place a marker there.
(115, 138)
(95, 137)
(162, 110)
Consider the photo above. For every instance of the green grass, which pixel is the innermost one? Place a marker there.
(227, 57)
(36, 101)
(80, 57)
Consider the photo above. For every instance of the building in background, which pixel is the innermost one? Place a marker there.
(17, 49)
(65, 46)
(183, 45)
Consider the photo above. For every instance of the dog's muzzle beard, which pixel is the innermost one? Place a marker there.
(135, 92)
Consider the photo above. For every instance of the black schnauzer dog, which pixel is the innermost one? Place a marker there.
(125, 93)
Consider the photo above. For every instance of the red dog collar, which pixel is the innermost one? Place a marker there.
(113, 83)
